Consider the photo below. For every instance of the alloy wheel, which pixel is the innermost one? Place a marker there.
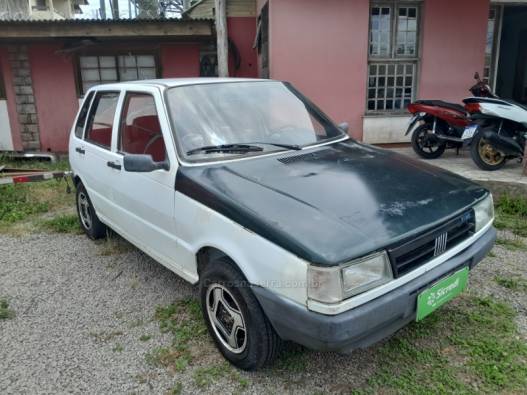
(226, 318)
(489, 154)
(84, 210)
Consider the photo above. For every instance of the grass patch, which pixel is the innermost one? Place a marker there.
(118, 348)
(25, 201)
(205, 376)
(293, 360)
(512, 283)
(114, 245)
(184, 321)
(511, 213)
(177, 389)
(511, 244)
(469, 346)
(66, 223)
(145, 338)
(60, 165)
(5, 312)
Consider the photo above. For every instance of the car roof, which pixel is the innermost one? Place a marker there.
(173, 82)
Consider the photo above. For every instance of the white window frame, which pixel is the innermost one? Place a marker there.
(117, 67)
(393, 59)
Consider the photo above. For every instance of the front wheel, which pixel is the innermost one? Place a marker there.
(484, 155)
(426, 144)
(234, 318)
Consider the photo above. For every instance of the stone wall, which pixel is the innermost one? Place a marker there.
(25, 99)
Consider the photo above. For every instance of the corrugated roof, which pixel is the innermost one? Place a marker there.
(81, 21)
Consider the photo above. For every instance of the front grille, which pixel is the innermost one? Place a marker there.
(413, 253)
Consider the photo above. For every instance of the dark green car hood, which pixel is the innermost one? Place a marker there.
(333, 203)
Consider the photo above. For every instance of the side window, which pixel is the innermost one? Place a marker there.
(140, 131)
(81, 120)
(100, 122)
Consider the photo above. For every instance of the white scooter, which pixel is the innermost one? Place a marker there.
(499, 131)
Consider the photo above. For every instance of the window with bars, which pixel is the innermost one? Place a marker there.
(392, 55)
(96, 70)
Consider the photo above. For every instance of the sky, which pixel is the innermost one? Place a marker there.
(90, 10)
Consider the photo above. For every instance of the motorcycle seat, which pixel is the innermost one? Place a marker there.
(441, 103)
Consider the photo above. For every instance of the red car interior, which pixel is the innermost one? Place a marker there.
(143, 136)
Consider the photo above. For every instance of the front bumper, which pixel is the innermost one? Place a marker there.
(370, 322)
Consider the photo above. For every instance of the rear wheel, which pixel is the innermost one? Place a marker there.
(89, 221)
(484, 155)
(426, 144)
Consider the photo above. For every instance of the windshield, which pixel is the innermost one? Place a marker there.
(225, 120)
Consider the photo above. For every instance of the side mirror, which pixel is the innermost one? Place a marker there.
(143, 163)
(344, 126)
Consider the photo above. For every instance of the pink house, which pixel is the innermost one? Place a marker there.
(361, 61)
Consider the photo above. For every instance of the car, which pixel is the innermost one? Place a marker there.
(293, 230)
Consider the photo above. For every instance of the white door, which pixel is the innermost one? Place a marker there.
(95, 161)
(146, 200)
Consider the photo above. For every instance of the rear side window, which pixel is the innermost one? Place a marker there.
(83, 114)
(140, 131)
(100, 122)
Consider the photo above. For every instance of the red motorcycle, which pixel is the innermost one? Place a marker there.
(441, 123)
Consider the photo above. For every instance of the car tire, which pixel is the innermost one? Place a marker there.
(484, 161)
(227, 302)
(418, 145)
(88, 219)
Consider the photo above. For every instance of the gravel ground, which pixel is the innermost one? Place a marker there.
(80, 314)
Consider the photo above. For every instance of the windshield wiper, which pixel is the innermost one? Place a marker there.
(230, 148)
(295, 147)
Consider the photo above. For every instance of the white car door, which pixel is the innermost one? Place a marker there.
(94, 160)
(145, 201)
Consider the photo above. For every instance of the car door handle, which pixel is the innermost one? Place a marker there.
(80, 150)
(113, 165)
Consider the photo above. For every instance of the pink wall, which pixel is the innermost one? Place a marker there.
(11, 102)
(321, 47)
(452, 47)
(180, 60)
(55, 95)
(242, 31)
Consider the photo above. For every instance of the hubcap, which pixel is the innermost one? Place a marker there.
(84, 210)
(226, 318)
(428, 141)
(488, 154)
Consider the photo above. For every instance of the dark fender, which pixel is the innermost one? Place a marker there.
(416, 118)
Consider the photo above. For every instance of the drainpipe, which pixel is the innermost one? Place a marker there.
(221, 37)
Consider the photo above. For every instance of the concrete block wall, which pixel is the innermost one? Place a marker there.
(24, 96)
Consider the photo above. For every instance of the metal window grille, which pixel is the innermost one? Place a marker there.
(390, 86)
(393, 56)
(96, 70)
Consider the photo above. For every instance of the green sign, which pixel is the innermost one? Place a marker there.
(441, 292)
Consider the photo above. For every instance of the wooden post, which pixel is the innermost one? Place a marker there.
(221, 37)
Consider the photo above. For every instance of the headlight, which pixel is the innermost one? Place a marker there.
(484, 212)
(332, 285)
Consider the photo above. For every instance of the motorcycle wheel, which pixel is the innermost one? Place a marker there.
(426, 144)
(484, 155)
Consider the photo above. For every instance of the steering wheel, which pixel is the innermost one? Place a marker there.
(151, 141)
